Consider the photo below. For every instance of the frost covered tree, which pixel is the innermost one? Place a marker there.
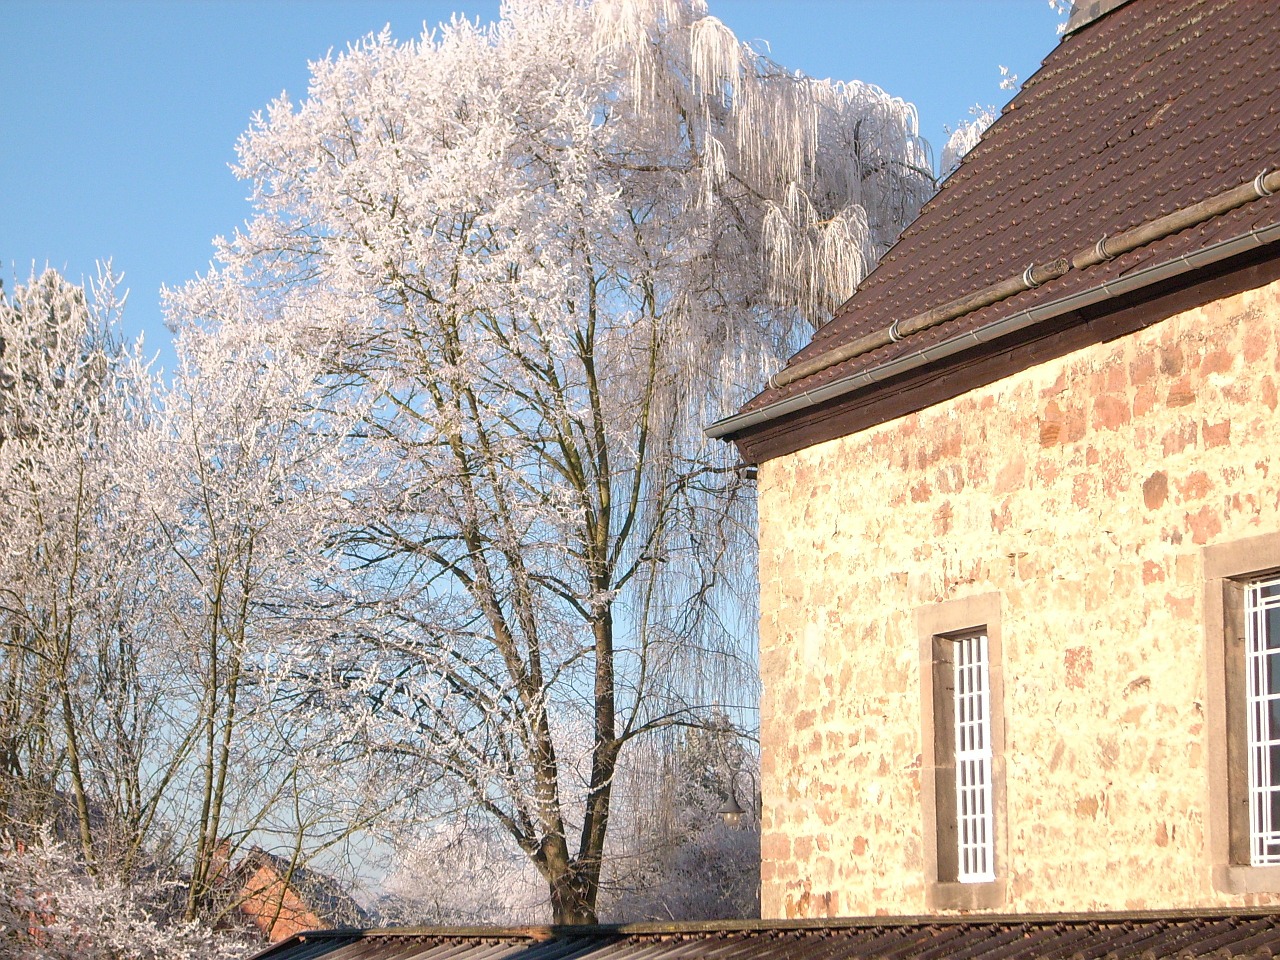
(50, 909)
(254, 483)
(674, 857)
(90, 752)
(965, 137)
(543, 254)
(158, 546)
(72, 574)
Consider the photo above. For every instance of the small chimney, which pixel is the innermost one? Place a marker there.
(1084, 12)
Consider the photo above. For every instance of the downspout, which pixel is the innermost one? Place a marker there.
(1107, 248)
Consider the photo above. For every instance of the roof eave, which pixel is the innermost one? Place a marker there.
(732, 427)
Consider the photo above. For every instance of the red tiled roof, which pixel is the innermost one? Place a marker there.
(1140, 936)
(1155, 106)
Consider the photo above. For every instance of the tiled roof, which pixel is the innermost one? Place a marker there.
(323, 893)
(1154, 106)
(1141, 936)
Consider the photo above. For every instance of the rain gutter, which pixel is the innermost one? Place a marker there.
(1105, 250)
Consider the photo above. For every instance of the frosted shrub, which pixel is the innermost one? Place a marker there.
(51, 909)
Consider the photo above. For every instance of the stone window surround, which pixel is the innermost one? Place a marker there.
(1227, 567)
(938, 623)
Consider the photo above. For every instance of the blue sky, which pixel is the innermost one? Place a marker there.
(120, 116)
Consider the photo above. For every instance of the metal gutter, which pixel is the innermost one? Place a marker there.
(1223, 250)
(1107, 248)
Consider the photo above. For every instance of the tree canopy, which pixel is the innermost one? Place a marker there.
(538, 256)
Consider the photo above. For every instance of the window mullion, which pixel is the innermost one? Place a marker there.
(974, 815)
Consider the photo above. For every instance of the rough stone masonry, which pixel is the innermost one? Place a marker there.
(1082, 491)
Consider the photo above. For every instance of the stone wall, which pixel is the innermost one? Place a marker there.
(1083, 491)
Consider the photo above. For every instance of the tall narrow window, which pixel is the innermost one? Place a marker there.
(1242, 670)
(975, 826)
(1262, 683)
(962, 770)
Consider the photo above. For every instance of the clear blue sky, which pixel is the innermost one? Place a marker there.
(120, 118)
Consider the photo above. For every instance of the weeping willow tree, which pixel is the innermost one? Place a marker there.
(544, 252)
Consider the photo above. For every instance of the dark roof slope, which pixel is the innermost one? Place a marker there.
(1140, 936)
(1154, 106)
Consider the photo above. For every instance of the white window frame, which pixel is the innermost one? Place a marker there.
(1262, 676)
(975, 822)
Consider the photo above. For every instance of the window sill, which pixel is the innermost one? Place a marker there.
(968, 896)
(1234, 878)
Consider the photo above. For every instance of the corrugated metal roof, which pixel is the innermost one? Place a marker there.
(1113, 936)
(1153, 107)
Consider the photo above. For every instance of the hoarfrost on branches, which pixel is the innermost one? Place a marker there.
(159, 546)
(50, 909)
(965, 137)
(540, 255)
(462, 873)
(72, 398)
(254, 484)
(674, 857)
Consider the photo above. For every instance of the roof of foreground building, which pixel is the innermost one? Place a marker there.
(1137, 162)
(1140, 936)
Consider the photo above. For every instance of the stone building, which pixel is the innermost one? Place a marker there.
(1020, 508)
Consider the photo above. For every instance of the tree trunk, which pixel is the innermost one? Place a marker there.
(573, 899)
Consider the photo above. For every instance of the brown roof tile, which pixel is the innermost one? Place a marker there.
(1154, 106)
